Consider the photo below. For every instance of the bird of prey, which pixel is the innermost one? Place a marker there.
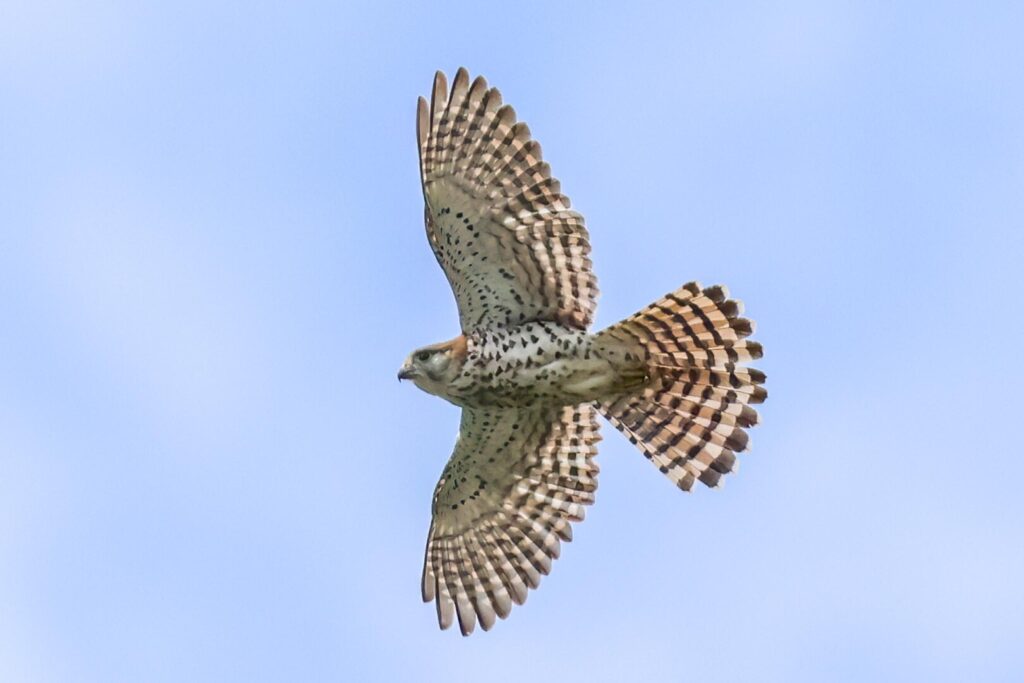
(531, 378)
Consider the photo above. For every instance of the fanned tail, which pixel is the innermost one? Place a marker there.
(690, 418)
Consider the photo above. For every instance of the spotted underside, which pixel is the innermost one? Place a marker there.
(496, 220)
(504, 504)
(541, 362)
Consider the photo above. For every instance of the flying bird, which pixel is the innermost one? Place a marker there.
(530, 376)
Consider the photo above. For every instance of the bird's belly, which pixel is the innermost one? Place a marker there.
(558, 381)
(575, 379)
(542, 362)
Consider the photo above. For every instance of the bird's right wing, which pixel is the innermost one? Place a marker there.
(516, 480)
(497, 221)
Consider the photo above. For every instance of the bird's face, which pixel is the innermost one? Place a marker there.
(433, 368)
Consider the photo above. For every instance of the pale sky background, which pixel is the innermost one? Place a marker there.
(212, 264)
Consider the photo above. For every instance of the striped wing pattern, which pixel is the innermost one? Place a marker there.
(504, 504)
(496, 220)
(690, 420)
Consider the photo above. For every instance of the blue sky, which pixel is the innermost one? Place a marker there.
(212, 264)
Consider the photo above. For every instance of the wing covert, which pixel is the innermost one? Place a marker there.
(502, 231)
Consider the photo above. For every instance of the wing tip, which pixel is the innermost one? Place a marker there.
(438, 97)
(445, 611)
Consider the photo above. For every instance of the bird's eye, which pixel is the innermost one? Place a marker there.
(422, 355)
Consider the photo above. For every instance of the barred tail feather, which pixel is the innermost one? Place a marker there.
(690, 417)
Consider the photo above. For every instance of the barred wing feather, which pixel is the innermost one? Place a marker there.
(498, 223)
(504, 504)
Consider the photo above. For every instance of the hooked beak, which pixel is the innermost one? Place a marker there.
(406, 372)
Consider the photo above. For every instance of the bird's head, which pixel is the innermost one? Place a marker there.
(434, 367)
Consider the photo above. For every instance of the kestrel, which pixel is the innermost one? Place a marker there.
(529, 376)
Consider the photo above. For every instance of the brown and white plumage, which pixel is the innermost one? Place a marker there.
(689, 420)
(530, 378)
(497, 221)
(504, 503)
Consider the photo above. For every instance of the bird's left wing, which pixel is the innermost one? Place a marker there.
(497, 221)
(516, 480)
